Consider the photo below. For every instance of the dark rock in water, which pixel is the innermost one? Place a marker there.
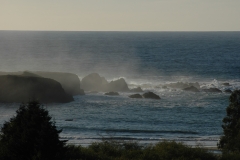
(181, 85)
(228, 91)
(212, 90)
(119, 85)
(24, 88)
(135, 96)
(192, 89)
(150, 95)
(226, 84)
(68, 119)
(29, 74)
(69, 81)
(112, 93)
(138, 89)
(164, 87)
(93, 82)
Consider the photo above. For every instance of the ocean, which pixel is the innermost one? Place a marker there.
(147, 59)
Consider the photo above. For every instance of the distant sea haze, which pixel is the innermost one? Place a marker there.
(150, 60)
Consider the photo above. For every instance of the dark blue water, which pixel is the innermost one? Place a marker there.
(146, 59)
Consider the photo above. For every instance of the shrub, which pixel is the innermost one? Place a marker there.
(230, 141)
(31, 135)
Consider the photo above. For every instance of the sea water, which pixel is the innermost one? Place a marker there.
(146, 59)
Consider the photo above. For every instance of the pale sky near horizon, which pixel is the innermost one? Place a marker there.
(120, 15)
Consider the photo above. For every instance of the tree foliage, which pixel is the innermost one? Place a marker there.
(31, 135)
(230, 141)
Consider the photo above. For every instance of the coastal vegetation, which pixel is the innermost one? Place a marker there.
(31, 134)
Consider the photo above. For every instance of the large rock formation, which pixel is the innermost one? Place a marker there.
(24, 88)
(117, 85)
(93, 82)
(70, 82)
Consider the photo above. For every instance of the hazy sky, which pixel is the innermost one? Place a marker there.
(120, 15)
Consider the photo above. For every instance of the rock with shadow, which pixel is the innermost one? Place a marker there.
(212, 90)
(24, 88)
(150, 95)
(136, 96)
(138, 89)
(191, 89)
(93, 82)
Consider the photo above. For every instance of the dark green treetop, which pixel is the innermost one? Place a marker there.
(230, 141)
(31, 135)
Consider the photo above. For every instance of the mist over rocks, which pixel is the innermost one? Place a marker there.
(182, 85)
(138, 89)
(69, 81)
(94, 82)
(136, 96)
(14, 88)
(191, 89)
(212, 90)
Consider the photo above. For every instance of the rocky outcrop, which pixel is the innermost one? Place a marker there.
(216, 90)
(24, 88)
(226, 84)
(181, 85)
(119, 85)
(150, 95)
(191, 89)
(112, 93)
(138, 89)
(228, 91)
(93, 82)
(69, 81)
(135, 96)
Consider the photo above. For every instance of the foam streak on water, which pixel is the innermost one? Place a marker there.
(151, 60)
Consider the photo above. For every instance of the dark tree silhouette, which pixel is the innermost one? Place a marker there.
(31, 135)
(230, 141)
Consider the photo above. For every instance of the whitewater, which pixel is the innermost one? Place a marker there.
(150, 60)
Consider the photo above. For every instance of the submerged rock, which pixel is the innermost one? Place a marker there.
(138, 89)
(228, 91)
(212, 90)
(226, 84)
(191, 89)
(135, 96)
(112, 93)
(150, 95)
(23, 88)
(182, 85)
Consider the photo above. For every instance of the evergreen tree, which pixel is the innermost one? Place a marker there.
(230, 141)
(31, 135)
